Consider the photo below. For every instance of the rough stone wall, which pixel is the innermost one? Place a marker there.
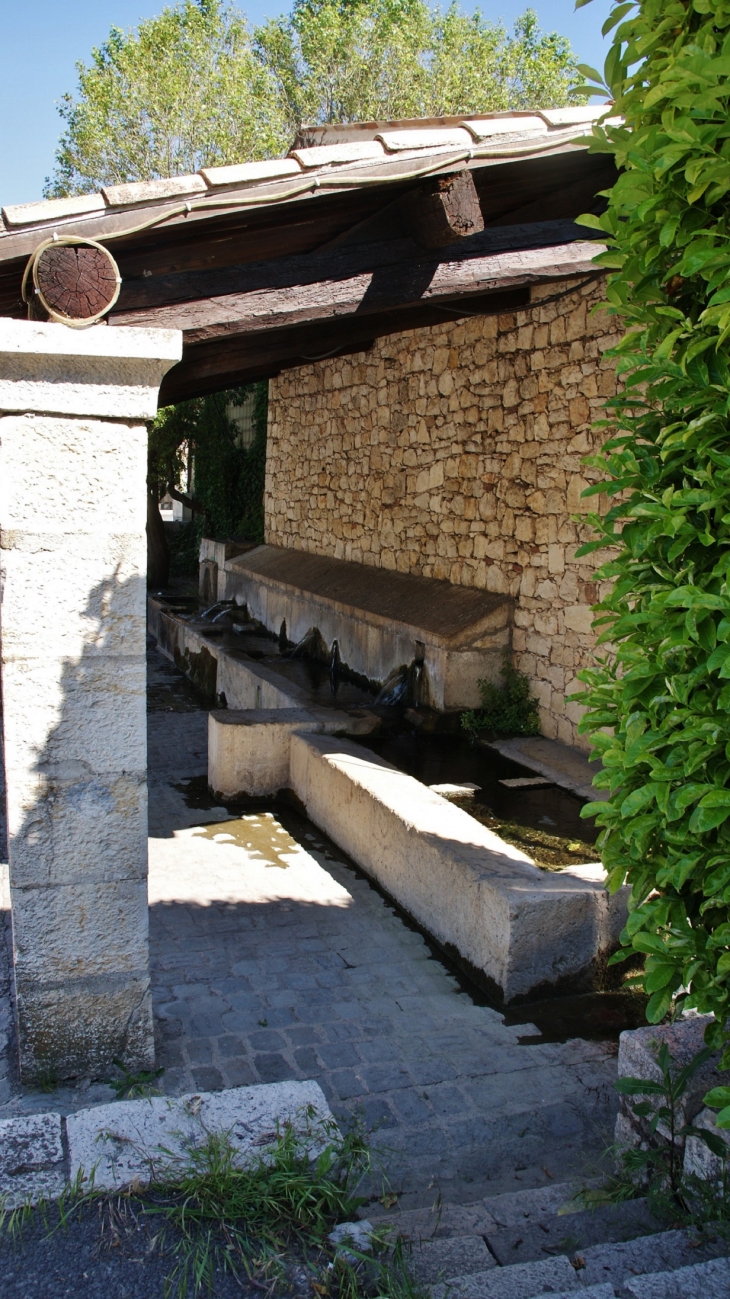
(456, 452)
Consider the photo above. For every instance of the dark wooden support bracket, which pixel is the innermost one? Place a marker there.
(445, 210)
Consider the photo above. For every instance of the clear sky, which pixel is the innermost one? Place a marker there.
(42, 40)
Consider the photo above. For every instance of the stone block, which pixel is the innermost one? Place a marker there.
(699, 1161)
(116, 1145)
(98, 371)
(431, 1261)
(31, 1159)
(248, 751)
(521, 1281)
(709, 1280)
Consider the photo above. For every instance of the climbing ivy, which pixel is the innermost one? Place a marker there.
(659, 697)
(228, 479)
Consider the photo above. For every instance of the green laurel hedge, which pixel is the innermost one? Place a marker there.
(659, 696)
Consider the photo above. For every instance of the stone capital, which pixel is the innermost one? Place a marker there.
(100, 371)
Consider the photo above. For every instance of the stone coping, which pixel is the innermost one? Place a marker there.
(126, 1143)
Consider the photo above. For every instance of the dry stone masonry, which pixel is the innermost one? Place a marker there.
(456, 452)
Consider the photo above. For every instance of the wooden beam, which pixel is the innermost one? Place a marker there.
(329, 263)
(385, 287)
(445, 210)
(210, 366)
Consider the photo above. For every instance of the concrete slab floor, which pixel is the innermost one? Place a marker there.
(273, 957)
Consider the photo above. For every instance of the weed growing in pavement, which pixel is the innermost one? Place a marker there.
(244, 1220)
(133, 1086)
(654, 1167)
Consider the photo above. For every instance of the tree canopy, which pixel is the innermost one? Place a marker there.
(195, 86)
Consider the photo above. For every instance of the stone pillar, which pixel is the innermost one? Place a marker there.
(73, 502)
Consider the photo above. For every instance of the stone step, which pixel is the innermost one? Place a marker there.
(430, 1261)
(521, 1281)
(710, 1280)
(604, 1291)
(664, 1251)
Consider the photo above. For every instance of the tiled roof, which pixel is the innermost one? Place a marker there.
(349, 154)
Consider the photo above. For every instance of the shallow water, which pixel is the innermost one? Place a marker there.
(440, 759)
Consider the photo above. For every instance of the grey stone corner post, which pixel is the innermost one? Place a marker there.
(73, 503)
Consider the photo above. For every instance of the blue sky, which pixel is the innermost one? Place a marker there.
(42, 40)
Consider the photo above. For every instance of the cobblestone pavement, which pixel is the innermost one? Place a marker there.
(274, 958)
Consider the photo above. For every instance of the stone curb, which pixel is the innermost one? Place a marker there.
(110, 1147)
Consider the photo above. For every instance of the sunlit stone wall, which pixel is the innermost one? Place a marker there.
(457, 452)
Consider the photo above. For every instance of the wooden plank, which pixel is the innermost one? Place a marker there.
(388, 286)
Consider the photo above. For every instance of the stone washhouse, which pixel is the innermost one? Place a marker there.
(420, 297)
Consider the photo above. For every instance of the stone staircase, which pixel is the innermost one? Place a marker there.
(531, 1244)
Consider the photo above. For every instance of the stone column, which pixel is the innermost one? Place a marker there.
(73, 502)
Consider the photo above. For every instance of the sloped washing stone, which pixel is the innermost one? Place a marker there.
(136, 1141)
(523, 1281)
(433, 1260)
(31, 1159)
(709, 1280)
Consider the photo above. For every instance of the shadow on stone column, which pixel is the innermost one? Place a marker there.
(79, 856)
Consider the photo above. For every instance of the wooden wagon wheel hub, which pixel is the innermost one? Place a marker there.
(74, 282)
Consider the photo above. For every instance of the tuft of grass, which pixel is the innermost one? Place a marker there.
(245, 1219)
(134, 1086)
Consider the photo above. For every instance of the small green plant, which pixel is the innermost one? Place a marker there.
(507, 709)
(655, 1167)
(131, 1086)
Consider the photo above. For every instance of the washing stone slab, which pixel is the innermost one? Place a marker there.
(130, 1142)
(31, 1159)
(566, 767)
(481, 898)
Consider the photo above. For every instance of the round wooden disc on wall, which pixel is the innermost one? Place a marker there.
(75, 282)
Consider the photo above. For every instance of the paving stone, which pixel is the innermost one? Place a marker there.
(709, 1280)
(31, 1159)
(523, 1281)
(135, 1140)
(431, 1261)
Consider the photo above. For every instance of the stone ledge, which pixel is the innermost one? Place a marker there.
(113, 1146)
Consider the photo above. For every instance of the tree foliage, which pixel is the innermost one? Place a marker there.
(364, 60)
(659, 698)
(185, 90)
(193, 87)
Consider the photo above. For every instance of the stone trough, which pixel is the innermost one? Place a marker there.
(518, 930)
(380, 620)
